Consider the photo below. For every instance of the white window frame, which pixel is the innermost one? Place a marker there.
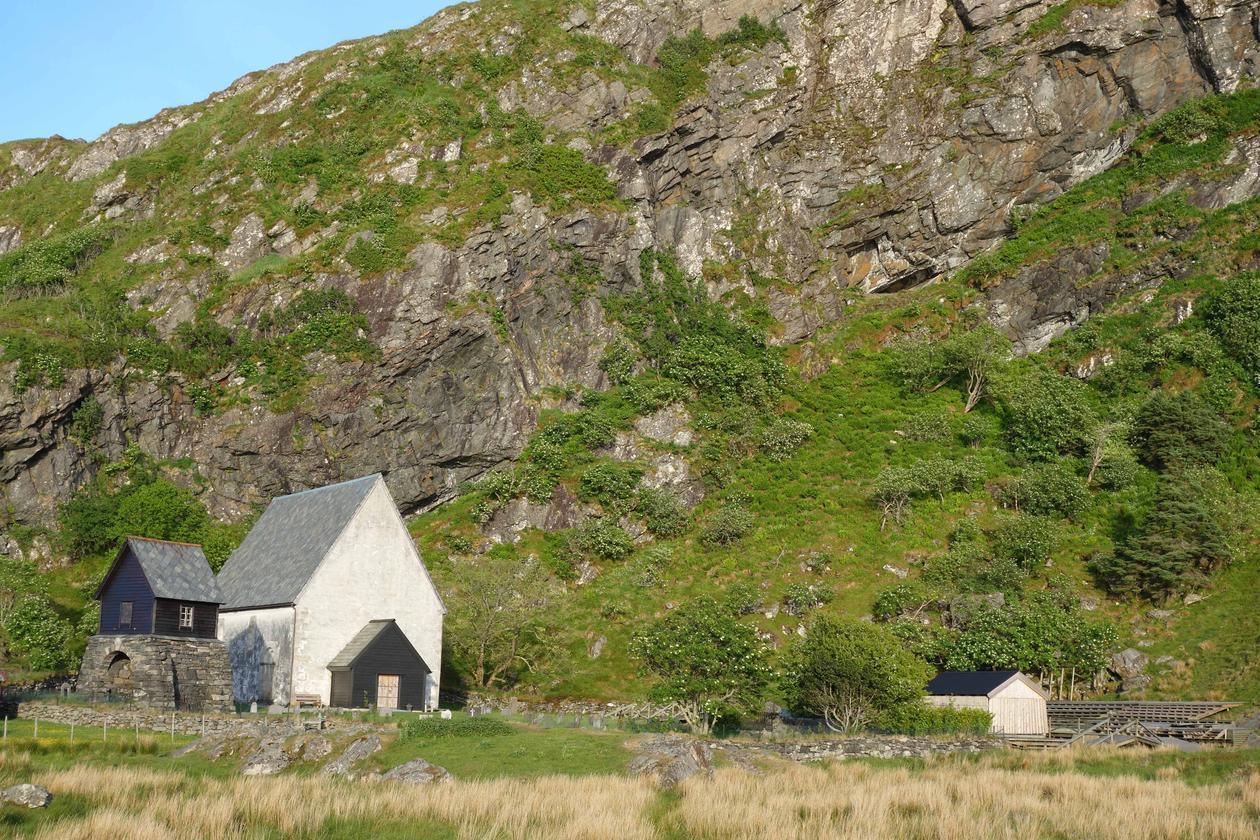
(185, 616)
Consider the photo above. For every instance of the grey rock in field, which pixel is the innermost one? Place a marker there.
(671, 759)
(359, 749)
(1192, 598)
(269, 759)
(1129, 663)
(419, 772)
(311, 747)
(26, 795)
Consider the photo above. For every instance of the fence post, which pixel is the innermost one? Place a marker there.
(6, 728)
(36, 726)
(72, 732)
(172, 727)
(137, 730)
(104, 730)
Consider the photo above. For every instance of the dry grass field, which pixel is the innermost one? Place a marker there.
(999, 796)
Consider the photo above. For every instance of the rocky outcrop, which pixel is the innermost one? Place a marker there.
(872, 148)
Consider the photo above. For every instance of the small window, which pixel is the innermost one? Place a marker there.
(185, 616)
(124, 614)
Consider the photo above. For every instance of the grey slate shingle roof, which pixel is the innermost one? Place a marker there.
(178, 571)
(967, 683)
(359, 643)
(284, 549)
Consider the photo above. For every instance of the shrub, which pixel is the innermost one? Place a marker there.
(918, 718)
(1178, 430)
(663, 512)
(86, 421)
(1233, 315)
(1026, 541)
(1045, 414)
(611, 484)
(728, 525)
(929, 427)
(783, 437)
(800, 598)
(36, 631)
(500, 485)
(618, 362)
(901, 599)
(743, 598)
(603, 538)
(473, 727)
(1047, 490)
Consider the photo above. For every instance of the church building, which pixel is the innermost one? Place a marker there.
(327, 600)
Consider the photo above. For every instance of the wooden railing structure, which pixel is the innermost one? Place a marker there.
(1177, 723)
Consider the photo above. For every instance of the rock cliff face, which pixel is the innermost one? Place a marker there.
(867, 149)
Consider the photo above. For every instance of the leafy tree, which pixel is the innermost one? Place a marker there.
(848, 671)
(1045, 413)
(970, 357)
(894, 490)
(1183, 539)
(707, 665)
(1178, 430)
(497, 621)
(1233, 314)
(39, 634)
(611, 484)
(1046, 631)
(162, 511)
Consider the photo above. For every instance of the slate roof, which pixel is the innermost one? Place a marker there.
(284, 549)
(363, 640)
(175, 570)
(968, 683)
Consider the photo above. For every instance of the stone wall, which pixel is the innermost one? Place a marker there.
(185, 723)
(160, 672)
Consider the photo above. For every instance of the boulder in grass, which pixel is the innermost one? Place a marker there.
(419, 772)
(26, 795)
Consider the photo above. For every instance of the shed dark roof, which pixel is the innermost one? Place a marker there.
(175, 570)
(284, 549)
(363, 640)
(968, 683)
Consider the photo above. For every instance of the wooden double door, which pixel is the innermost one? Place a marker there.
(387, 690)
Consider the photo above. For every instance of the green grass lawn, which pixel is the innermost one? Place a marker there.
(529, 752)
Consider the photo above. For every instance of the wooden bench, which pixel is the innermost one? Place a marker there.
(301, 700)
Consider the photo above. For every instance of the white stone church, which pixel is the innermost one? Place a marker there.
(327, 600)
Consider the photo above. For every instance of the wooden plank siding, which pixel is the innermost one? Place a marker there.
(127, 583)
(388, 653)
(205, 619)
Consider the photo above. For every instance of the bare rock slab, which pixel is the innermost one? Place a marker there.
(26, 795)
(419, 772)
(359, 749)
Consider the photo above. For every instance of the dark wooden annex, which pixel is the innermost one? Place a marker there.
(159, 587)
(381, 667)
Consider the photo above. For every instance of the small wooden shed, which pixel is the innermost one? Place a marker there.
(1016, 701)
(379, 667)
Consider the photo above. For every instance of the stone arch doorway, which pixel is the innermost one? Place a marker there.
(119, 675)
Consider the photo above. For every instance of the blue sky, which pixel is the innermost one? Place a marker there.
(78, 67)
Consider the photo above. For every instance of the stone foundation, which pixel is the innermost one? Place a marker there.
(160, 672)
